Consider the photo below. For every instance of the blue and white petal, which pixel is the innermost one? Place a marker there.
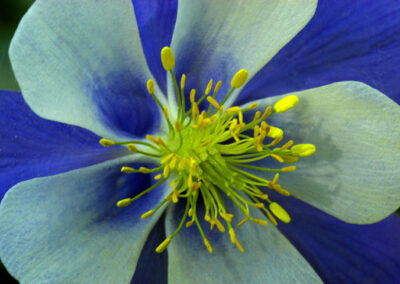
(68, 229)
(355, 172)
(31, 146)
(82, 63)
(268, 256)
(214, 39)
(341, 252)
(345, 40)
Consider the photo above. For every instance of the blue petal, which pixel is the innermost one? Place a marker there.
(67, 228)
(268, 257)
(341, 252)
(214, 39)
(156, 21)
(34, 147)
(345, 40)
(82, 63)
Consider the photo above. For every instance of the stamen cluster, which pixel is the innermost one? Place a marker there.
(205, 153)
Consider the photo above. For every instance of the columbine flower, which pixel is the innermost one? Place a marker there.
(188, 142)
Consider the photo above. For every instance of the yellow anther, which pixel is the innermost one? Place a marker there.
(280, 190)
(178, 126)
(290, 159)
(167, 158)
(163, 245)
(195, 186)
(195, 111)
(212, 101)
(264, 126)
(209, 86)
(221, 110)
(259, 205)
(287, 145)
(226, 216)
(173, 162)
(217, 86)
(256, 131)
(175, 197)
(275, 132)
(266, 112)
(260, 222)
(207, 218)
(167, 58)
(124, 202)
(190, 213)
(232, 235)
(288, 169)
(275, 179)
(253, 106)
(161, 142)
(240, 78)
(147, 214)
(192, 95)
(144, 170)
(264, 196)
(166, 113)
(150, 86)
(279, 212)
(233, 110)
(286, 103)
(127, 170)
(206, 122)
(106, 142)
(272, 219)
(214, 117)
(303, 150)
(239, 246)
(172, 183)
(208, 246)
(157, 177)
(189, 224)
(182, 163)
(152, 139)
(200, 121)
(166, 171)
(242, 222)
(183, 81)
(233, 125)
(190, 180)
(192, 166)
(276, 140)
(277, 157)
(257, 116)
(240, 118)
(132, 148)
(220, 227)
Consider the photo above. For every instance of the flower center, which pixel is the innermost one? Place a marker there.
(206, 154)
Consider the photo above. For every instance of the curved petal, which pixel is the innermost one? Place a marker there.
(214, 39)
(341, 252)
(355, 173)
(67, 229)
(156, 22)
(81, 62)
(34, 147)
(345, 40)
(268, 257)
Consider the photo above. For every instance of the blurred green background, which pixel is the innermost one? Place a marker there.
(11, 12)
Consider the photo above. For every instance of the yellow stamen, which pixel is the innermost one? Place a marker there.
(217, 86)
(257, 116)
(288, 169)
(167, 158)
(279, 212)
(144, 170)
(253, 106)
(233, 110)
(239, 246)
(127, 170)
(272, 219)
(124, 202)
(147, 214)
(163, 245)
(242, 222)
(183, 80)
(166, 171)
(220, 227)
(192, 95)
(240, 78)
(275, 179)
(189, 224)
(152, 139)
(166, 113)
(287, 145)
(276, 157)
(286, 103)
(260, 222)
(208, 245)
(150, 86)
(106, 142)
(266, 112)
(209, 86)
(173, 162)
(132, 148)
(212, 101)
(303, 150)
(157, 177)
(182, 163)
(167, 58)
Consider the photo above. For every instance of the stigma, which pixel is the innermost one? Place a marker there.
(207, 154)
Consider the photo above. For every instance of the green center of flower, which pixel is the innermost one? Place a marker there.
(206, 155)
